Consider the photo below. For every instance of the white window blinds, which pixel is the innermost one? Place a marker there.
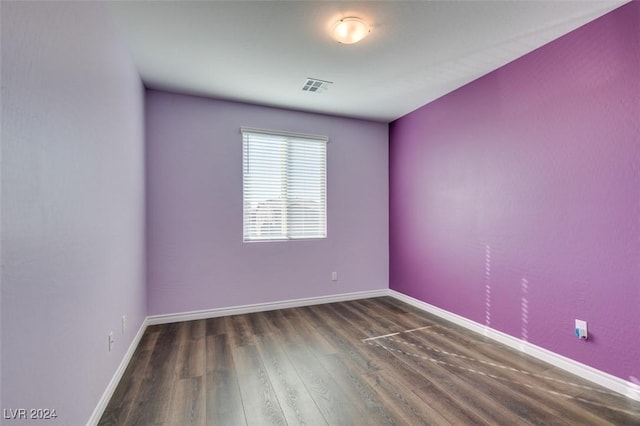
(283, 185)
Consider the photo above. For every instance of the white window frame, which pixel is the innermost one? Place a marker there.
(286, 233)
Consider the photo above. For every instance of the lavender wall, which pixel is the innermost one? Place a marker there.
(196, 257)
(72, 206)
(515, 200)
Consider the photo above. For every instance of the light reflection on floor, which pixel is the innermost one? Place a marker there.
(421, 351)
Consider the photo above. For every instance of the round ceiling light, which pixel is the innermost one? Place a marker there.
(350, 30)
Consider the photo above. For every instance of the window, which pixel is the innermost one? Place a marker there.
(283, 185)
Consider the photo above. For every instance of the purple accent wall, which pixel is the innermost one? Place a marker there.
(515, 200)
(72, 206)
(196, 257)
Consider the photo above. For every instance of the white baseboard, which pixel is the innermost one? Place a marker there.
(616, 384)
(108, 393)
(261, 307)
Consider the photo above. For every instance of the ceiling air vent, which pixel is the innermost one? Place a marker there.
(315, 85)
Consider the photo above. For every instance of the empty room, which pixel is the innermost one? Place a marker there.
(320, 213)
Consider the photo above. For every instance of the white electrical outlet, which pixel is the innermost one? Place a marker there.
(124, 323)
(334, 276)
(581, 329)
(111, 341)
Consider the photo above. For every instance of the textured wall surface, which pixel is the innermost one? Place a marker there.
(196, 257)
(72, 206)
(515, 200)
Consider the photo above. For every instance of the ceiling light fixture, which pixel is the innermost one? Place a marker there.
(350, 30)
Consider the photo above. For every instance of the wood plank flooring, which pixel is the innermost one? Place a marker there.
(366, 362)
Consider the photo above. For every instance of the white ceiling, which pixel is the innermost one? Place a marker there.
(262, 51)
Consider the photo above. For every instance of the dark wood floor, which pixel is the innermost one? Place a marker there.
(366, 362)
